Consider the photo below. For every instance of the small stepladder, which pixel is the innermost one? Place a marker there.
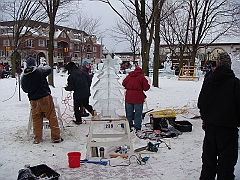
(124, 141)
(59, 116)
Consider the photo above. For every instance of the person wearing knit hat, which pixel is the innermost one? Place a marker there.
(86, 67)
(219, 104)
(79, 82)
(30, 65)
(35, 84)
(85, 63)
(30, 62)
(223, 59)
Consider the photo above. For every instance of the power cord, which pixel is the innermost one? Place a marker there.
(13, 92)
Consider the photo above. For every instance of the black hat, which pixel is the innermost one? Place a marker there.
(70, 66)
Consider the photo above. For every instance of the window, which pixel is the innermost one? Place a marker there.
(55, 54)
(60, 45)
(6, 42)
(41, 43)
(63, 35)
(75, 55)
(94, 49)
(6, 54)
(70, 46)
(89, 48)
(13, 42)
(29, 43)
(76, 47)
(1, 53)
(55, 44)
(60, 55)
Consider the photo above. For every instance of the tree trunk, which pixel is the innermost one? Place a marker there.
(50, 50)
(156, 19)
(13, 61)
(145, 57)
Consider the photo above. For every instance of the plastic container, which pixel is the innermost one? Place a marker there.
(183, 126)
(43, 171)
(101, 152)
(74, 159)
(166, 113)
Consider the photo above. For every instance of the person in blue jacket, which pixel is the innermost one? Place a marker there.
(86, 67)
(79, 82)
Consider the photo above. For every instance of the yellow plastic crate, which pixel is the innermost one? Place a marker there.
(166, 113)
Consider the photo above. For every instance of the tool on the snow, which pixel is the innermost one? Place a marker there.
(150, 147)
(144, 113)
(159, 119)
(159, 140)
(94, 162)
(124, 156)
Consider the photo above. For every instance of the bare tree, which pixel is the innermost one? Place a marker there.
(23, 14)
(86, 23)
(157, 6)
(144, 16)
(51, 8)
(122, 33)
(175, 28)
(205, 22)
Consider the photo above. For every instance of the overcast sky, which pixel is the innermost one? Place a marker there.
(108, 18)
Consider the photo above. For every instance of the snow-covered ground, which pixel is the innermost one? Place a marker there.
(181, 162)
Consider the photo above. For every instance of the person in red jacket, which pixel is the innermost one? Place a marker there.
(135, 84)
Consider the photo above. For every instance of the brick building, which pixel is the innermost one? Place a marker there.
(69, 44)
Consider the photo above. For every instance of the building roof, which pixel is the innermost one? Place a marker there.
(32, 24)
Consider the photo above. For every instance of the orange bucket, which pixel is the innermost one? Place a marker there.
(74, 159)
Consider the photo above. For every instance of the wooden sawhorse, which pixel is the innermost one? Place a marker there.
(59, 116)
(124, 141)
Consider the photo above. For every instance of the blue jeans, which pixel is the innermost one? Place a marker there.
(134, 112)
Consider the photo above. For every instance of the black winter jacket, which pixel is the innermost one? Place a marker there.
(34, 82)
(79, 82)
(219, 99)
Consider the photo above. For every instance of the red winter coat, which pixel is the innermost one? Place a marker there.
(135, 83)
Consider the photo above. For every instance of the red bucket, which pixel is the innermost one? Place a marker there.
(74, 159)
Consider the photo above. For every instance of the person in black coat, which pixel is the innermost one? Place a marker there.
(79, 82)
(34, 83)
(219, 104)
